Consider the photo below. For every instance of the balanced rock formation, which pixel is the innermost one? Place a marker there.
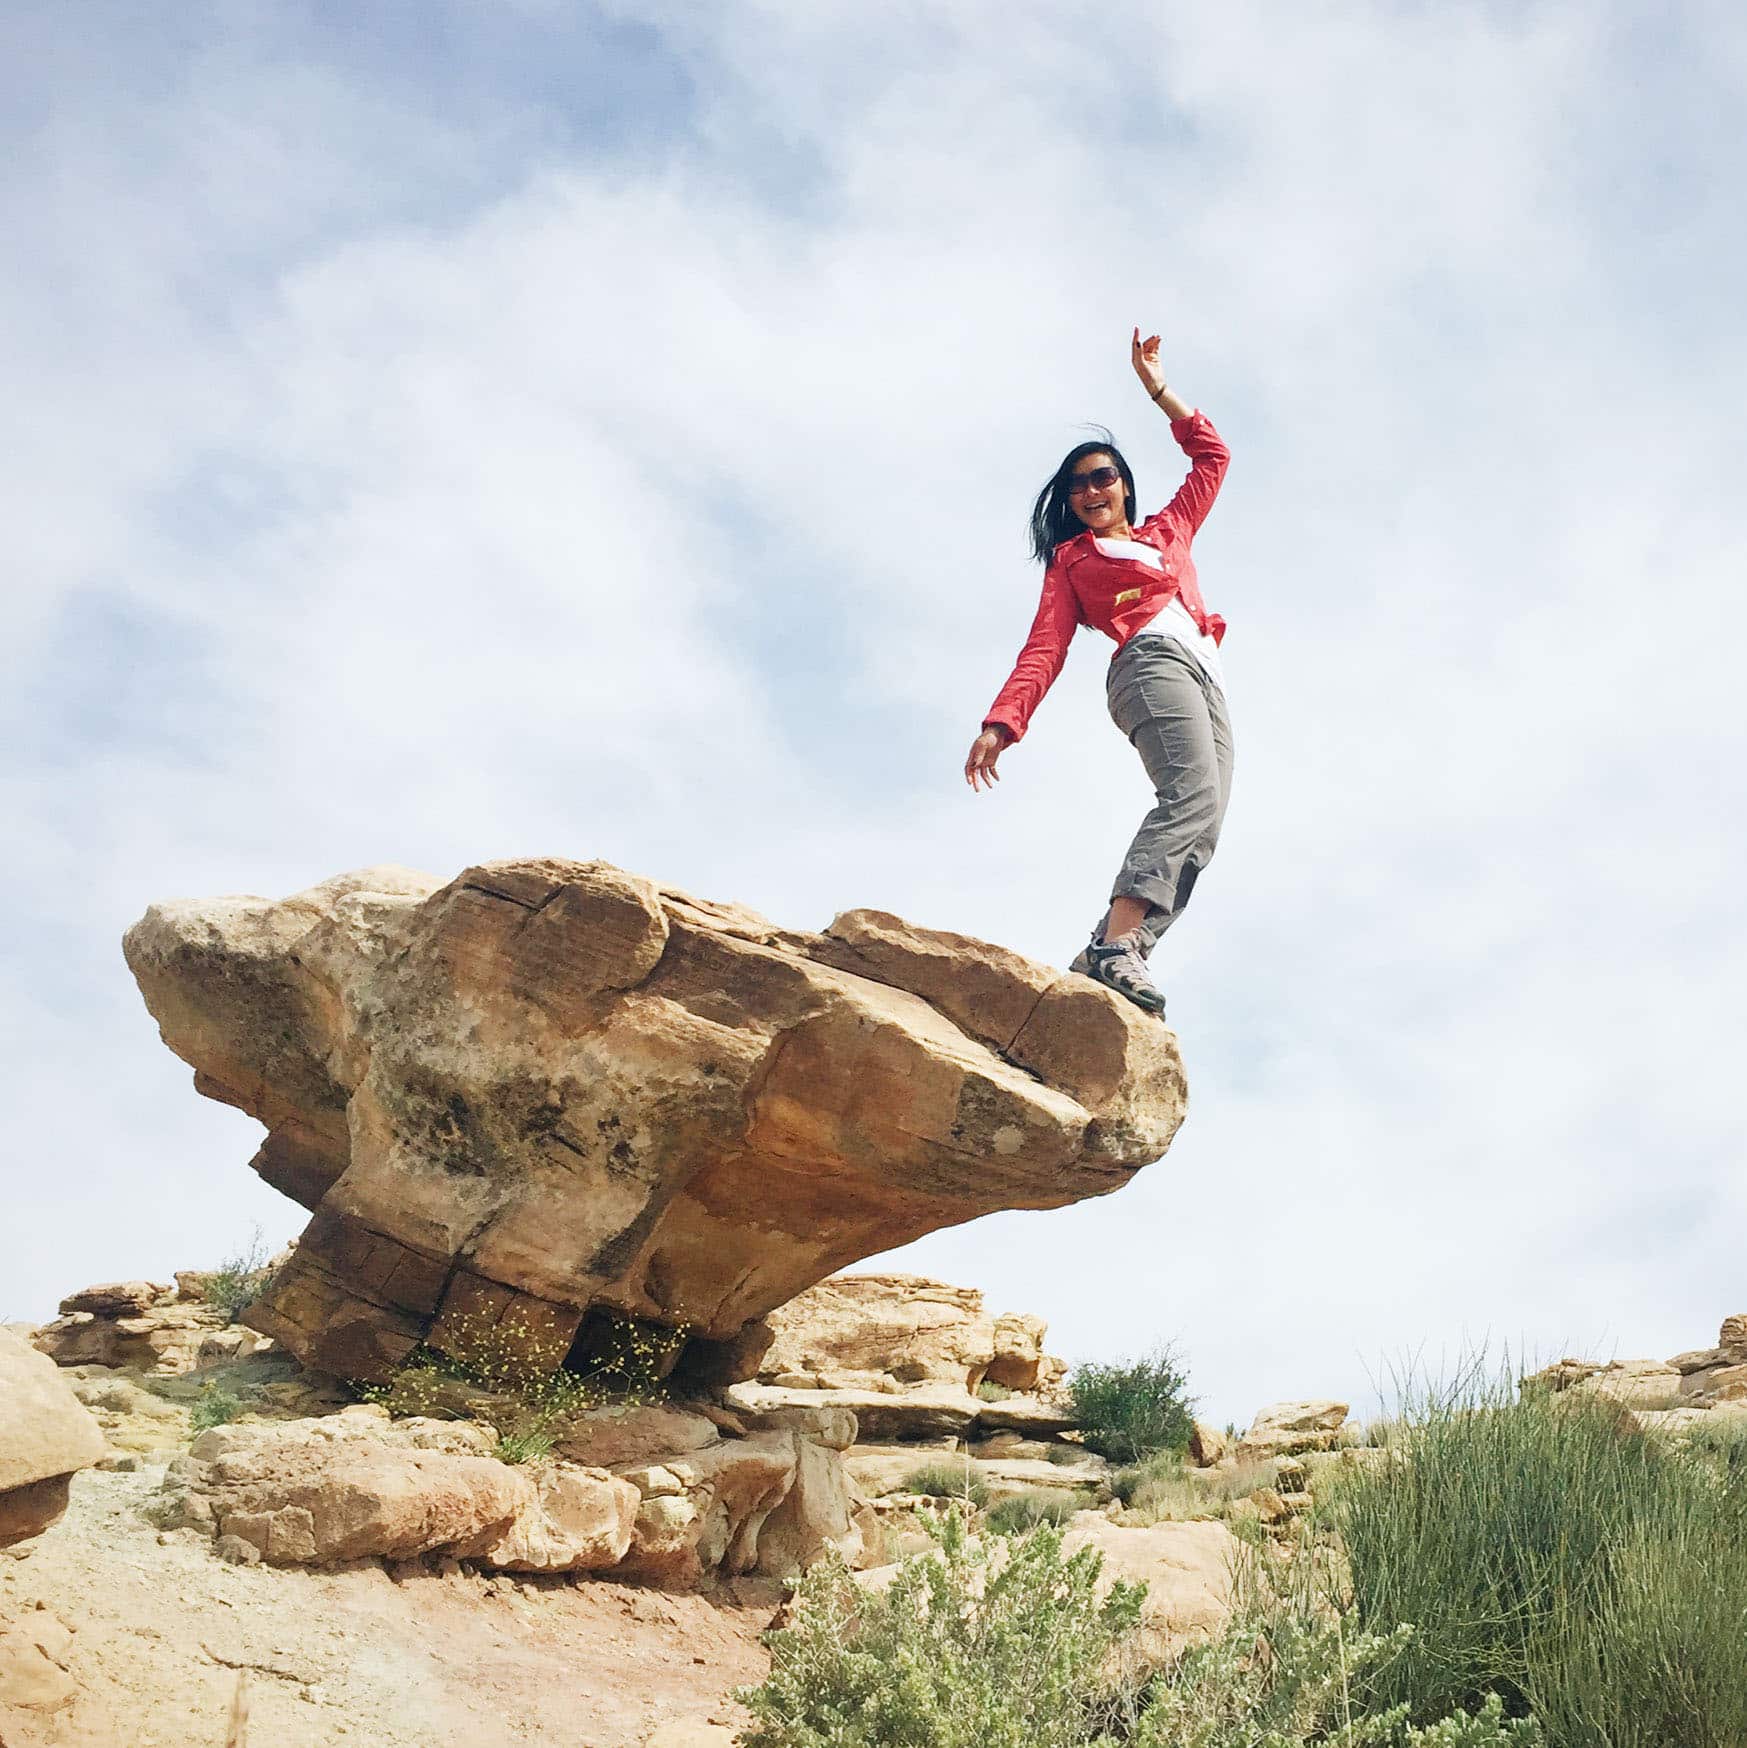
(45, 1439)
(551, 1096)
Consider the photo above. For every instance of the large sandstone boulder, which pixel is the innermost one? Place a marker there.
(1289, 1429)
(893, 1331)
(1187, 1569)
(703, 1512)
(553, 1093)
(46, 1437)
(354, 1486)
(877, 1331)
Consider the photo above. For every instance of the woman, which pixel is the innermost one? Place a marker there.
(1136, 584)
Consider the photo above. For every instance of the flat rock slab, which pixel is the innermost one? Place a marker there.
(549, 1092)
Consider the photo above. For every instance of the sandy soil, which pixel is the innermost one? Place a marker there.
(412, 1659)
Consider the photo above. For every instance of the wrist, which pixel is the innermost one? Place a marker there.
(1155, 393)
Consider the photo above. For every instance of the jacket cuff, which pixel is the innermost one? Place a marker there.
(1005, 722)
(1180, 428)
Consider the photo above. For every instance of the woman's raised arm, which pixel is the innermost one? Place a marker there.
(1152, 377)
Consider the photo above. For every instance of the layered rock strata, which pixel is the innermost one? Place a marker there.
(143, 1327)
(550, 1095)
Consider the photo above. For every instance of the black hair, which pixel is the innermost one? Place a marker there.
(1052, 517)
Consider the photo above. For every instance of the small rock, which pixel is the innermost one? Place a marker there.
(234, 1550)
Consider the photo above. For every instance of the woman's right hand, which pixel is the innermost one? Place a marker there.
(979, 767)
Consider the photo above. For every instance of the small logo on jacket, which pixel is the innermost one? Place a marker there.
(1128, 595)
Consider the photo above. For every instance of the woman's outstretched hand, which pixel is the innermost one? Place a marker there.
(1146, 362)
(979, 768)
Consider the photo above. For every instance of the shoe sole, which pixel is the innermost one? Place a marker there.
(1150, 1004)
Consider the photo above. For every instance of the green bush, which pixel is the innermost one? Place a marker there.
(1009, 1646)
(239, 1278)
(1002, 1645)
(989, 1391)
(1567, 1563)
(1281, 1677)
(214, 1406)
(1019, 1512)
(514, 1374)
(950, 1481)
(1127, 1412)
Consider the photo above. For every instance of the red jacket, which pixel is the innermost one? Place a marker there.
(1118, 595)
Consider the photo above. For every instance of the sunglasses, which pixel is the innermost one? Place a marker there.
(1096, 480)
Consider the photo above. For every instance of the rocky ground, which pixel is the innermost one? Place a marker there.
(143, 1613)
(159, 1632)
(558, 1125)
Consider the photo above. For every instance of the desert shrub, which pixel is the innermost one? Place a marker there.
(1019, 1512)
(215, 1406)
(1282, 1677)
(1551, 1555)
(990, 1391)
(531, 1386)
(1003, 1644)
(1009, 1646)
(239, 1278)
(1127, 1412)
(950, 1481)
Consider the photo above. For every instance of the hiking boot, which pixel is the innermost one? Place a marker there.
(1118, 965)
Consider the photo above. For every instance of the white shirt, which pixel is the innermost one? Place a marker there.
(1173, 620)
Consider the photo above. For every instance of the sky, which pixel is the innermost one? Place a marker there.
(446, 431)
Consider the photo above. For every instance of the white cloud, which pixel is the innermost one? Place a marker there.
(672, 511)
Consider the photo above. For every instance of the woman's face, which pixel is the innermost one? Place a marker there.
(1095, 493)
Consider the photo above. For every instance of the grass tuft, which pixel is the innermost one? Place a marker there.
(1547, 1552)
(950, 1481)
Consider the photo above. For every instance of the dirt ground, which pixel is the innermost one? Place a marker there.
(411, 1659)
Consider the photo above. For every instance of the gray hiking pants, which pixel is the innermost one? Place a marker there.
(1174, 715)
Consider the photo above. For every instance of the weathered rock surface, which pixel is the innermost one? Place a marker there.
(880, 1332)
(923, 1413)
(1288, 1429)
(115, 1298)
(703, 1512)
(1207, 1444)
(140, 1326)
(354, 1486)
(894, 1331)
(550, 1092)
(1186, 1567)
(46, 1437)
(1702, 1379)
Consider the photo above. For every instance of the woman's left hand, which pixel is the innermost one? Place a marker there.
(1146, 363)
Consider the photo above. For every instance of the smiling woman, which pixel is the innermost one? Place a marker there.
(1165, 689)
